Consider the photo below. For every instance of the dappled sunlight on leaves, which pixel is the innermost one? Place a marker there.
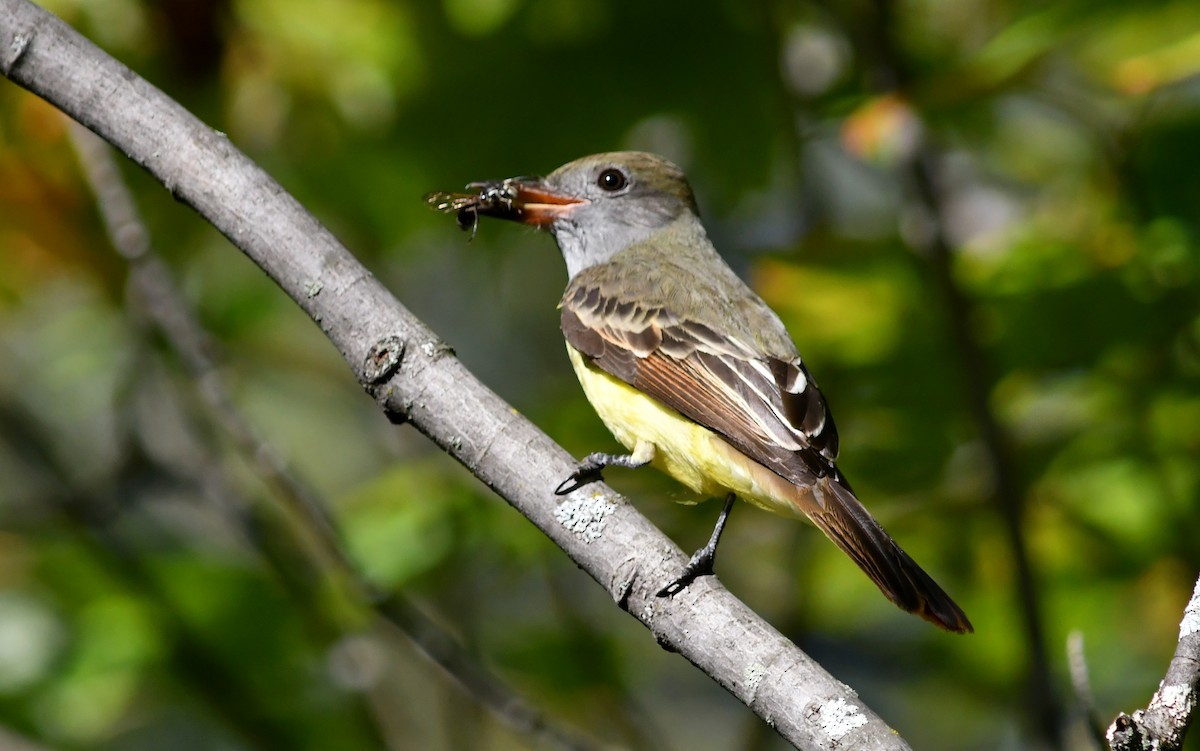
(402, 523)
(362, 56)
(855, 316)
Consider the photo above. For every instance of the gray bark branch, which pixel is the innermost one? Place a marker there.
(414, 377)
(1163, 724)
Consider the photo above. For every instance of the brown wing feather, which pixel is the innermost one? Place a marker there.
(767, 408)
(770, 409)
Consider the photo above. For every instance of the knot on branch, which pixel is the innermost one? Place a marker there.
(383, 359)
(16, 50)
(1125, 734)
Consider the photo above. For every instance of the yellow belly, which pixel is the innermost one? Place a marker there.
(687, 451)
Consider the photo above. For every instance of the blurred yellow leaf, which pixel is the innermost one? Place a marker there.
(857, 315)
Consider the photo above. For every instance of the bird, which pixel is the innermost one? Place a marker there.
(690, 370)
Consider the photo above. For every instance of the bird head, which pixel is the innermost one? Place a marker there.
(597, 206)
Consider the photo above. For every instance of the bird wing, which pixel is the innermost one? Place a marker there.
(766, 407)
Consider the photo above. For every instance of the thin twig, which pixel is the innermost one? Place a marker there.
(1082, 683)
(1008, 497)
(84, 509)
(167, 309)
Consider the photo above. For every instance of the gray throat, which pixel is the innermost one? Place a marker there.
(583, 244)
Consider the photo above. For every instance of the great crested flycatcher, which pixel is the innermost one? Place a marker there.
(687, 366)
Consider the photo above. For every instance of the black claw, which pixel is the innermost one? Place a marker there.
(590, 468)
(586, 474)
(701, 564)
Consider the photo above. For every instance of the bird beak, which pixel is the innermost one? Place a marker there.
(524, 199)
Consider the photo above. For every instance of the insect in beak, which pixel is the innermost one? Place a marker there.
(521, 199)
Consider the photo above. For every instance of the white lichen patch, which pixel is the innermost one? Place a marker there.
(586, 516)
(753, 677)
(1191, 616)
(839, 718)
(1178, 698)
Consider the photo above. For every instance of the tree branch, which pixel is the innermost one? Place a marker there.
(1163, 724)
(414, 377)
(164, 306)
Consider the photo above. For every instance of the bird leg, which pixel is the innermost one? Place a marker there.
(701, 563)
(592, 465)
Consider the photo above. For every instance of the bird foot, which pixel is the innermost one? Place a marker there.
(590, 468)
(700, 564)
(585, 474)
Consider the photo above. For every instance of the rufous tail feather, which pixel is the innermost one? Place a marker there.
(852, 528)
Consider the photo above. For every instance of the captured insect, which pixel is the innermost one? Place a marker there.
(493, 197)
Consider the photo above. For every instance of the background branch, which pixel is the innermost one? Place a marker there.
(414, 377)
(1164, 723)
(875, 33)
(165, 306)
(1042, 702)
(1081, 683)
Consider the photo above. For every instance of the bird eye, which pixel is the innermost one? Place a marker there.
(611, 179)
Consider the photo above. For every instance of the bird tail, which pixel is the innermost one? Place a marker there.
(846, 522)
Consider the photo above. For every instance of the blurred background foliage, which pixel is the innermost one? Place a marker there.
(969, 213)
